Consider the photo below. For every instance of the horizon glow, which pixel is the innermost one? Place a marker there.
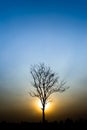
(49, 31)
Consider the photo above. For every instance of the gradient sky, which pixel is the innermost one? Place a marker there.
(49, 31)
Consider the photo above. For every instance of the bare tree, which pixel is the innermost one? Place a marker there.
(46, 82)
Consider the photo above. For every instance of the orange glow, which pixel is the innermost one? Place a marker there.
(46, 106)
(38, 106)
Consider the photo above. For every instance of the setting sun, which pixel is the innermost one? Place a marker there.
(46, 106)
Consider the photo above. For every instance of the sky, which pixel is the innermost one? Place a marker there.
(53, 32)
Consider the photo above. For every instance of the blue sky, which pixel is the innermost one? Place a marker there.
(49, 31)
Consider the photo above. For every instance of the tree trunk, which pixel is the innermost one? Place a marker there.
(43, 114)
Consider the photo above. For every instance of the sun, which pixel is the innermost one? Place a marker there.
(46, 106)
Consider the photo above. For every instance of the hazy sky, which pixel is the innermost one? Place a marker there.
(49, 31)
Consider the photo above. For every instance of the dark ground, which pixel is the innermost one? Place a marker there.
(68, 125)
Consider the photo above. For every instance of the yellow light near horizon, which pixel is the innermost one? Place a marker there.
(46, 106)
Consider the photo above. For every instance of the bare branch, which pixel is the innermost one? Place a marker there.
(33, 94)
(45, 82)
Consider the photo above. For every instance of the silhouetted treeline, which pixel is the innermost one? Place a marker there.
(67, 124)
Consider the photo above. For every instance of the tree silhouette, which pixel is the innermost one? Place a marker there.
(46, 82)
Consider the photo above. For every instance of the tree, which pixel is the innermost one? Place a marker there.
(46, 82)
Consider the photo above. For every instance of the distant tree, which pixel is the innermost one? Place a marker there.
(46, 82)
